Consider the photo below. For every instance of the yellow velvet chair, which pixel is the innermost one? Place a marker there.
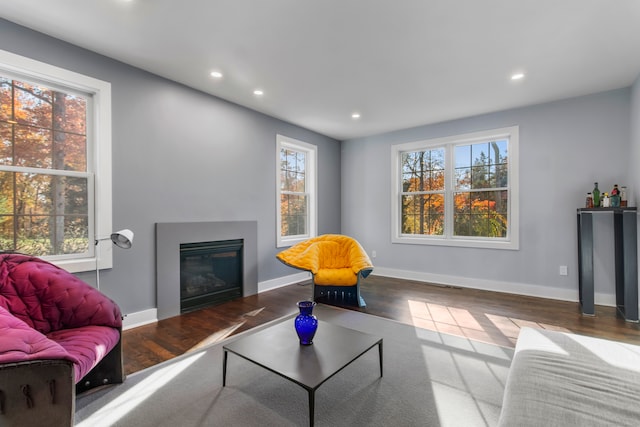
(337, 264)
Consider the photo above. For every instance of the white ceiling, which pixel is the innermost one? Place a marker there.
(399, 63)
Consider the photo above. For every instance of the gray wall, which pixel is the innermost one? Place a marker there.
(179, 156)
(564, 148)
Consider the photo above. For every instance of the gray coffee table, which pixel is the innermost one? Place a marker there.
(277, 349)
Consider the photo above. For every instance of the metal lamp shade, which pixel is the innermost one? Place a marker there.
(123, 238)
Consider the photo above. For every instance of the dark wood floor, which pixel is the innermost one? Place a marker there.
(486, 316)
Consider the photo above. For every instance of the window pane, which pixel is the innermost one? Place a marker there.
(69, 152)
(28, 116)
(300, 162)
(499, 152)
(32, 147)
(32, 105)
(34, 235)
(463, 178)
(6, 136)
(298, 184)
(501, 175)
(481, 214)
(5, 99)
(423, 214)
(6, 232)
(423, 170)
(462, 156)
(49, 213)
(293, 212)
(482, 165)
(69, 113)
(292, 160)
(292, 174)
(480, 177)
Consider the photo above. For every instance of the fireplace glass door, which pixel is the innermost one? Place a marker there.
(210, 273)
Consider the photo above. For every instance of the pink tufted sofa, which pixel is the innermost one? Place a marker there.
(58, 337)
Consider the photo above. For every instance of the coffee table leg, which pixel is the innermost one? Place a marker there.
(380, 354)
(312, 400)
(224, 369)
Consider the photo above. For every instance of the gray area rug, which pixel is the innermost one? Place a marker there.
(430, 379)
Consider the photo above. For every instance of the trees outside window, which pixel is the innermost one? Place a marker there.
(459, 191)
(44, 181)
(296, 184)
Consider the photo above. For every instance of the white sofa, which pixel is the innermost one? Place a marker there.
(563, 379)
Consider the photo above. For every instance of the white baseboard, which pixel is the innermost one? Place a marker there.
(283, 281)
(139, 318)
(492, 285)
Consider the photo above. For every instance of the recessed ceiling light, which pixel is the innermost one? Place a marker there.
(355, 116)
(258, 92)
(517, 76)
(216, 74)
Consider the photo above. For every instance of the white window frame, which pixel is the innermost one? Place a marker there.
(98, 153)
(511, 241)
(311, 179)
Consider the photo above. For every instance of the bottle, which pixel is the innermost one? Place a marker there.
(589, 202)
(596, 195)
(604, 203)
(623, 197)
(615, 197)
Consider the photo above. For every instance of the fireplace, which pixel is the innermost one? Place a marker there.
(210, 273)
(169, 238)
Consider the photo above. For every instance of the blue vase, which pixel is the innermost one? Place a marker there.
(306, 323)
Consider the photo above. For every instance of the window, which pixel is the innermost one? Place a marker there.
(457, 191)
(296, 184)
(54, 126)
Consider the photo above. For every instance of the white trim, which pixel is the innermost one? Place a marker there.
(311, 183)
(99, 153)
(512, 240)
(526, 289)
(279, 282)
(139, 318)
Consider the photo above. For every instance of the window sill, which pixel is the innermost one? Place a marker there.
(461, 242)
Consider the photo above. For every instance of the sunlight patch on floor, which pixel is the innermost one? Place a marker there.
(510, 326)
(254, 312)
(214, 338)
(110, 413)
(461, 322)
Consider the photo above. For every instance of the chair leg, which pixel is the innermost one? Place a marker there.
(341, 295)
(361, 302)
